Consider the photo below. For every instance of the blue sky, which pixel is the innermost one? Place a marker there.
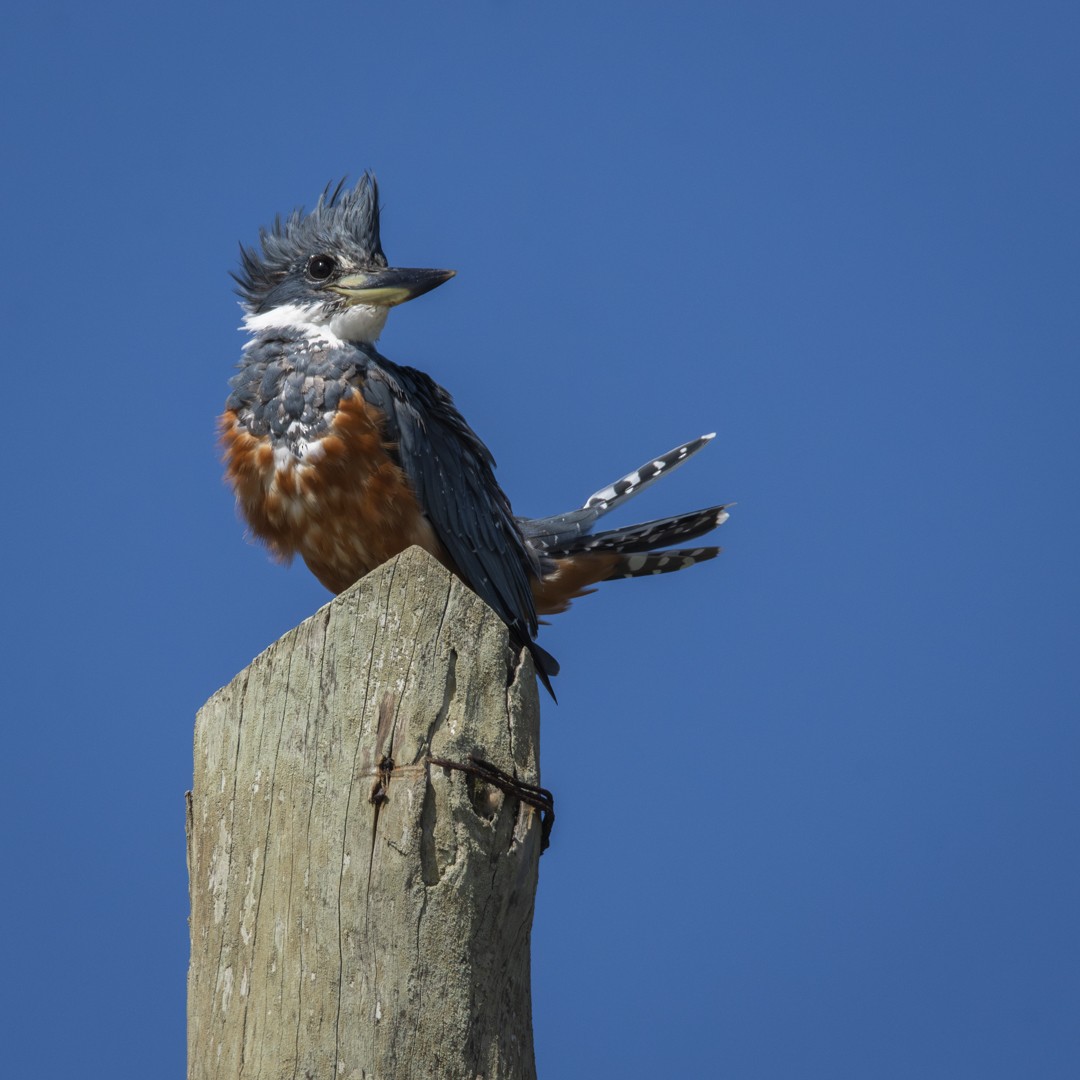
(818, 810)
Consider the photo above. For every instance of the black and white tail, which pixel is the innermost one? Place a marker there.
(637, 547)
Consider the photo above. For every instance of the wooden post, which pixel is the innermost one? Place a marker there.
(351, 918)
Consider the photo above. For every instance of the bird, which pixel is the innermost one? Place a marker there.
(343, 457)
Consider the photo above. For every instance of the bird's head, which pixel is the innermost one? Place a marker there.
(326, 272)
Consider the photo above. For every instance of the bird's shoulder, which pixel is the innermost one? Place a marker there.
(418, 402)
(452, 472)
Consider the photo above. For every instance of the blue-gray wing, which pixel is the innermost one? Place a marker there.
(451, 472)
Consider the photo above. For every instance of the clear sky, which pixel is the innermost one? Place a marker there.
(817, 800)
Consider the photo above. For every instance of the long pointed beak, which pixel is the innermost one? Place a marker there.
(386, 288)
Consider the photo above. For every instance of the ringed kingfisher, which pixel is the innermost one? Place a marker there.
(345, 458)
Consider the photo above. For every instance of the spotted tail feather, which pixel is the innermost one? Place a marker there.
(649, 535)
(561, 530)
(573, 559)
(660, 562)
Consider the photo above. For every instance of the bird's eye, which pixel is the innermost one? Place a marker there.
(320, 267)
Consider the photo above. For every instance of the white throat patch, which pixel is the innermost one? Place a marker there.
(360, 323)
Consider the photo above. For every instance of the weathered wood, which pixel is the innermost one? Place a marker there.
(337, 935)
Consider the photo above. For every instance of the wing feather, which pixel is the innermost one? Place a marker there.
(451, 472)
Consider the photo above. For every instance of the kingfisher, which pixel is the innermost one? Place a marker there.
(345, 458)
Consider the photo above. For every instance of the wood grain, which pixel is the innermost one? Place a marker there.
(351, 918)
